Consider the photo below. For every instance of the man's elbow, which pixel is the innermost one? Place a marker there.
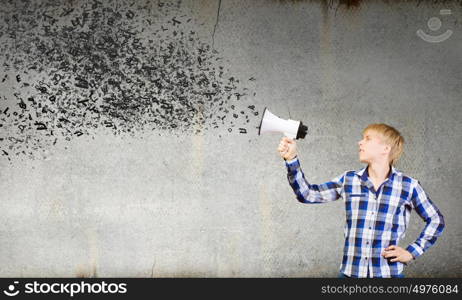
(308, 198)
(441, 224)
(438, 220)
(302, 199)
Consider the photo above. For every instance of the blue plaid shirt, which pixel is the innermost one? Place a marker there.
(374, 219)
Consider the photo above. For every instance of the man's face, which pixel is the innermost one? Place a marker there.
(371, 147)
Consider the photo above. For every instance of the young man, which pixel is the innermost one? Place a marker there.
(378, 201)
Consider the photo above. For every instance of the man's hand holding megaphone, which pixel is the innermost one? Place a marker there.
(290, 128)
(287, 148)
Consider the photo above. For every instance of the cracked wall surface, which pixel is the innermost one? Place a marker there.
(129, 131)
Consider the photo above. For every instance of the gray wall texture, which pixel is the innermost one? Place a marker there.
(128, 131)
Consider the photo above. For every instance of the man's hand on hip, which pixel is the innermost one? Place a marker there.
(397, 254)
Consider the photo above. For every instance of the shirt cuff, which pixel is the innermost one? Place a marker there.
(415, 250)
(292, 164)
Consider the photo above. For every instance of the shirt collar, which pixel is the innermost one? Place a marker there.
(364, 174)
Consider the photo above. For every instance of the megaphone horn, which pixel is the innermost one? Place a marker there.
(290, 128)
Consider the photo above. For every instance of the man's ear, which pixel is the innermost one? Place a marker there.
(387, 149)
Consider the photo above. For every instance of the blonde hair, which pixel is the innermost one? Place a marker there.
(391, 137)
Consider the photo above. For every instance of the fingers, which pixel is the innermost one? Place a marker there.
(389, 254)
(286, 146)
(283, 148)
(392, 247)
(283, 145)
(288, 140)
(395, 253)
(393, 258)
(283, 153)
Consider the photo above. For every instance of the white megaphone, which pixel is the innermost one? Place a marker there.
(290, 128)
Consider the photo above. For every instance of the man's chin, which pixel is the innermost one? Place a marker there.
(362, 160)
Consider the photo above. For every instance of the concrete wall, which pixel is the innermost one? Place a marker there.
(129, 142)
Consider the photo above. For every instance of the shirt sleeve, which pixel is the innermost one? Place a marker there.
(433, 218)
(312, 193)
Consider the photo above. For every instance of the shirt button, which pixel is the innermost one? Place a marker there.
(366, 258)
(370, 227)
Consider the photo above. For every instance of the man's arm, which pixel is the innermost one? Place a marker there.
(312, 193)
(433, 218)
